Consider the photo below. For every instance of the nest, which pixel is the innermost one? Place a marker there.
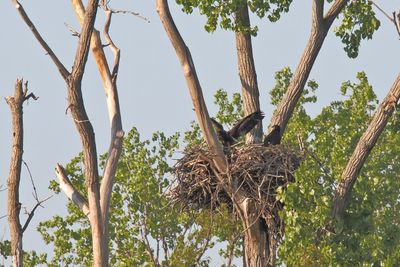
(257, 171)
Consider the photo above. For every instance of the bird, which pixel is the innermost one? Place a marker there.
(274, 137)
(245, 125)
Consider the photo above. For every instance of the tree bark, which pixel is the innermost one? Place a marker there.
(109, 79)
(247, 73)
(320, 27)
(256, 252)
(14, 206)
(363, 149)
(192, 81)
(256, 242)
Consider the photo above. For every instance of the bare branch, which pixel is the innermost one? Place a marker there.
(84, 40)
(193, 84)
(392, 18)
(109, 83)
(116, 11)
(363, 149)
(61, 68)
(70, 191)
(32, 213)
(33, 184)
(72, 30)
(113, 47)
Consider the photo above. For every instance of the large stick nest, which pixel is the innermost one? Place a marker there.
(257, 171)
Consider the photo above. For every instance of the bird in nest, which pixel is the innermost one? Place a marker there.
(245, 125)
(274, 137)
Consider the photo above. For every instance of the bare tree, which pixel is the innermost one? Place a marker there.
(97, 206)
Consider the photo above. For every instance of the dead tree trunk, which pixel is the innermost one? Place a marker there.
(14, 206)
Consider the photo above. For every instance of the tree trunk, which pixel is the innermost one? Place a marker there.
(13, 181)
(256, 241)
(247, 73)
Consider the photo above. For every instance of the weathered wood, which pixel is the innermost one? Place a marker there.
(109, 79)
(192, 81)
(14, 177)
(69, 190)
(13, 181)
(363, 149)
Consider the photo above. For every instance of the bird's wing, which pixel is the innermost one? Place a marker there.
(246, 124)
(217, 125)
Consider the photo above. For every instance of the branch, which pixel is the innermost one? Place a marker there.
(70, 191)
(295, 89)
(363, 149)
(117, 132)
(394, 19)
(189, 71)
(109, 80)
(334, 11)
(83, 45)
(61, 68)
(32, 213)
(136, 14)
(318, 12)
(247, 72)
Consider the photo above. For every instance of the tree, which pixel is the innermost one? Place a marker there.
(359, 23)
(98, 196)
(260, 243)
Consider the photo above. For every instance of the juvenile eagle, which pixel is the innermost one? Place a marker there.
(244, 126)
(274, 137)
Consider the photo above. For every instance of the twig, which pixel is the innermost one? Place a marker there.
(116, 11)
(32, 213)
(35, 195)
(394, 18)
(72, 30)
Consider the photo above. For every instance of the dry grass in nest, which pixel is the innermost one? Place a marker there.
(256, 170)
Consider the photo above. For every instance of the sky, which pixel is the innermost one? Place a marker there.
(152, 90)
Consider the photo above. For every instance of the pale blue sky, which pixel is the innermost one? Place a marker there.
(152, 90)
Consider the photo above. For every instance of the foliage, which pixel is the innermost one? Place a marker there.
(222, 12)
(145, 229)
(359, 22)
(369, 232)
